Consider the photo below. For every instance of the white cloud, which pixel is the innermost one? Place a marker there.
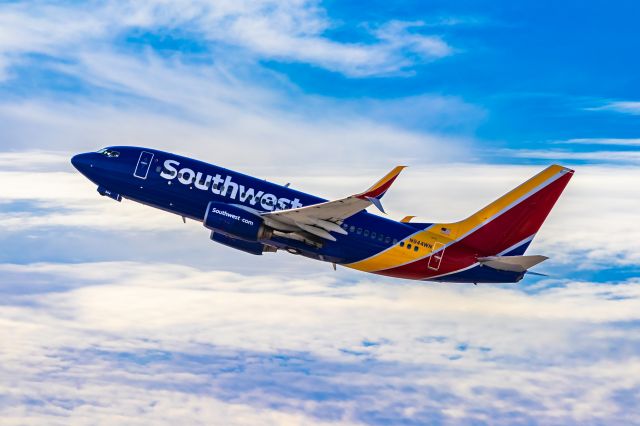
(593, 156)
(101, 402)
(310, 348)
(624, 107)
(160, 102)
(33, 160)
(291, 30)
(227, 133)
(601, 141)
(221, 110)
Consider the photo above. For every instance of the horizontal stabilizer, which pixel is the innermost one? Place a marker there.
(512, 263)
(538, 274)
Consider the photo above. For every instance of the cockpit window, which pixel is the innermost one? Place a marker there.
(109, 153)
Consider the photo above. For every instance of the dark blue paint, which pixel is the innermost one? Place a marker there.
(179, 185)
(117, 174)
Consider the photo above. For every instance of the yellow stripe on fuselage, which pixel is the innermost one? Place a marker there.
(445, 233)
(397, 255)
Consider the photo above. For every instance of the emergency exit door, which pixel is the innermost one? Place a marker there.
(144, 162)
(436, 258)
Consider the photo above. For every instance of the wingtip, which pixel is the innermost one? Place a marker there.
(393, 173)
(380, 187)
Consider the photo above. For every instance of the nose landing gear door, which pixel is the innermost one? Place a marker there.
(144, 162)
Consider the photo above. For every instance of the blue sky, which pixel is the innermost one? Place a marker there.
(116, 313)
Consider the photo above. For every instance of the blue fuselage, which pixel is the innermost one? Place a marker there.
(185, 187)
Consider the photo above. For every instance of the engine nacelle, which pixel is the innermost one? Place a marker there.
(235, 222)
(245, 246)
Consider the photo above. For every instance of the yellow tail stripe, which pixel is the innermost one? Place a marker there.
(505, 201)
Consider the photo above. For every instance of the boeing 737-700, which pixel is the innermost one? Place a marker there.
(256, 216)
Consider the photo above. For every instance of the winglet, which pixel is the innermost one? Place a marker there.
(376, 202)
(381, 187)
(407, 219)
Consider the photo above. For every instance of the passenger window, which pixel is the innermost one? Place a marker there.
(366, 232)
(395, 241)
(373, 235)
(415, 248)
(401, 243)
(408, 246)
(359, 231)
(352, 229)
(387, 240)
(381, 237)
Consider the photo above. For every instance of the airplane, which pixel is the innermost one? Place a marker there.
(257, 216)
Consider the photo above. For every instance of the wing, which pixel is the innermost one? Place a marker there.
(323, 218)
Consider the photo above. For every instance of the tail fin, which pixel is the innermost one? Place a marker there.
(507, 226)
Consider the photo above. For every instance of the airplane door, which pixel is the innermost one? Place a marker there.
(436, 259)
(144, 162)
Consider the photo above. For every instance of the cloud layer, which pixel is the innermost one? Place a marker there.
(292, 30)
(158, 342)
(116, 313)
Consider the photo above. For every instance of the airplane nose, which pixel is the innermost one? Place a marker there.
(81, 162)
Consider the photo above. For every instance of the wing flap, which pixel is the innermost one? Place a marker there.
(317, 231)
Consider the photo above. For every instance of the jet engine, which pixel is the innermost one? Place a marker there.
(245, 246)
(235, 222)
